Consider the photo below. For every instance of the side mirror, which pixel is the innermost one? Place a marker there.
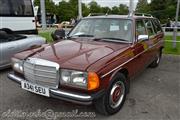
(59, 35)
(143, 37)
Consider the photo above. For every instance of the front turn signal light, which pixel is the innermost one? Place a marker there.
(93, 81)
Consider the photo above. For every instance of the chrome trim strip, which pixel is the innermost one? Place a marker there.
(74, 96)
(44, 76)
(129, 60)
(41, 70)
(14, 78)
(43, 62)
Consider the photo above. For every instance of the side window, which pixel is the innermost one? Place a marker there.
(28, 7)
(16, 8)
(149, 27)
(4, 7)
(140, 28)
(157, 26)
(21, 7)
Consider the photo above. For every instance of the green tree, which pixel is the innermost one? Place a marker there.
(94, 7)
(142, 6)
(115, 10)
(49, 5)
(85, 10)
(65, 11)
(163, 9)
(123, 9)
(106, 10)
(74, 7)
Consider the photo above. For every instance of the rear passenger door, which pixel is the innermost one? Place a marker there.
(159, 35)
(142, 46)
(139, 48)
(152, 38)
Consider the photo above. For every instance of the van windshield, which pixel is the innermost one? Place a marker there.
(16, 8)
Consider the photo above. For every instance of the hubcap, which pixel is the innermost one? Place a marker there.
(117, 94)
(158, 59)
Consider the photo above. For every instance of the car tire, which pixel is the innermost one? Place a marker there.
(113, 99)
(157, 60)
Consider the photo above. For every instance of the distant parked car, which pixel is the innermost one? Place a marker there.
(65, 23)
(11, 43)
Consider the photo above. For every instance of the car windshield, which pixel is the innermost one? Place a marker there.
(115, 29)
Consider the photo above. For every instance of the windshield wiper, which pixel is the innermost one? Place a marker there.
(82, 35)
(109, 39)
(118, 39)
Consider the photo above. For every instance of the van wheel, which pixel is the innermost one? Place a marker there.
(112, 101)
(157, 60)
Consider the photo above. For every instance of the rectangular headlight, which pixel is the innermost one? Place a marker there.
(74, 78)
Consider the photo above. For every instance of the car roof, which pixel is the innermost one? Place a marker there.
(120, 17)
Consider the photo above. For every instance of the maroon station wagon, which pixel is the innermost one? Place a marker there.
(95, 63)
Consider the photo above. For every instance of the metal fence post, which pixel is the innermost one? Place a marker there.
(80, 9)
(175, 28)
(130, 6)
(43, 14)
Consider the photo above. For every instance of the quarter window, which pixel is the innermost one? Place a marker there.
(157, 25)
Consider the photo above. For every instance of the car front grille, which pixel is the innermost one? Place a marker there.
(42, 72)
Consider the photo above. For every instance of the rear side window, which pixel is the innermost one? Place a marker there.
(157, 26)
(16, 8)
(149, 27)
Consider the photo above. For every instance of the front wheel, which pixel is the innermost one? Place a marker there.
(115, 96)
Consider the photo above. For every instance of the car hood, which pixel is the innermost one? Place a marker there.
(75, 54)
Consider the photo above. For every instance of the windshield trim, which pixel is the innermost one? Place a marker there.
(111, 40)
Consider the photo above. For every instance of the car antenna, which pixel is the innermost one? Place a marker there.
(131, 13)
(107, 12)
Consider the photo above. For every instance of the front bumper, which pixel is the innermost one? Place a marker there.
(84, 99)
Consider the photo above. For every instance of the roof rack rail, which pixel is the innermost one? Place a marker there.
(143, 14)
(132, 13)
(97, 14)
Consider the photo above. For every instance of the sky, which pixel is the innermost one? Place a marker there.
(109, 3)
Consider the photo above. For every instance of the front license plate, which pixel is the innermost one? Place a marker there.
(35, 88)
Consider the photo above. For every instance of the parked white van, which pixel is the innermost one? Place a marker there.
(18, 16)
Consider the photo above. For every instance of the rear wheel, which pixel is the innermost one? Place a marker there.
(115, 96)
(157, 60)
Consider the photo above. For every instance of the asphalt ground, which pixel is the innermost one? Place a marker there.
(154, 95)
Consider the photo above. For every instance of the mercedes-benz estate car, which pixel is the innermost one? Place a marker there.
(96, 62)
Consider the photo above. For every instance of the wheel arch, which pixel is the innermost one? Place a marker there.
(125, 72)
(161, 48)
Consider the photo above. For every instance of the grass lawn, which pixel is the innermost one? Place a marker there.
(46, 35)
(167, 50)
(169, 46)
